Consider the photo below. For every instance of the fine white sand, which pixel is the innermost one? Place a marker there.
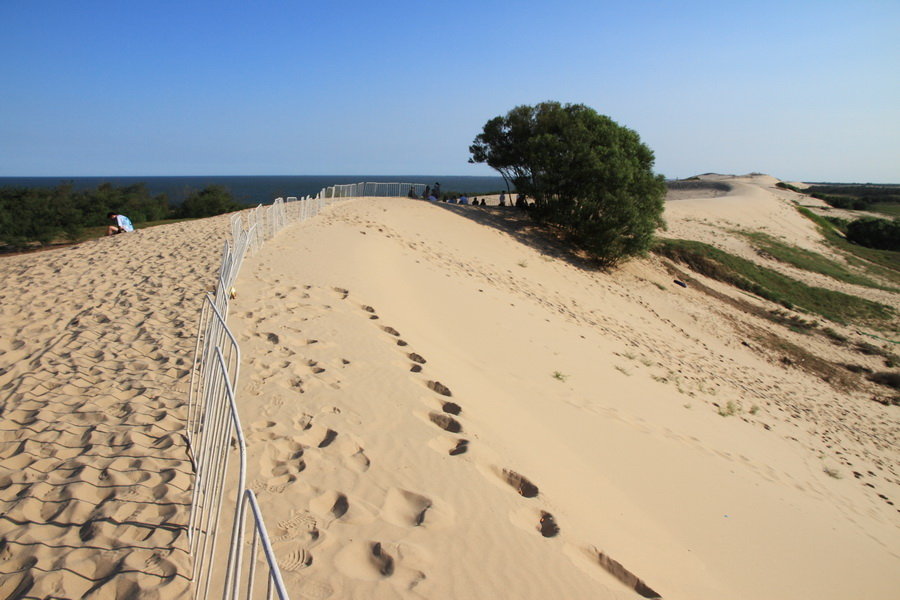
(578, 399)
(95, 348)
(440, 403)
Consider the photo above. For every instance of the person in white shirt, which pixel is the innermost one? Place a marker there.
(122, 224)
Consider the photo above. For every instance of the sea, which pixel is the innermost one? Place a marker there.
(259, 189)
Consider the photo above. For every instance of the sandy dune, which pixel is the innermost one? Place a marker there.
(582, 418)
(95, 345)
(441, 404)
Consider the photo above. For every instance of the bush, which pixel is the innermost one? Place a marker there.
(210, 201)
(586, 173)
(46, 215)
(875, 233)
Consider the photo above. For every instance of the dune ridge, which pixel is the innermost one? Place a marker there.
(441, 402)
(558, 426)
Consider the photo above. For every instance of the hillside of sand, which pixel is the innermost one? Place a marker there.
(441, 402)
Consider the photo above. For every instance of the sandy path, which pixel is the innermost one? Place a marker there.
(95, 346)
(580, 398)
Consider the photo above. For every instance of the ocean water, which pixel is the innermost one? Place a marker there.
(258, 189)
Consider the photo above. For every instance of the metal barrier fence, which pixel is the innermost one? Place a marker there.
(371, 188)
(214, 433)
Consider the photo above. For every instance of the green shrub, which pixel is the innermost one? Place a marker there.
(875, 233)
(771, 285)
(585, 173)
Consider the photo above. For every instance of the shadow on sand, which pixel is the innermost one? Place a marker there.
(516, 223)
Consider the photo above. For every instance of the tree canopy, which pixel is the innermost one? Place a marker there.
(875, 233)
(44, 215)
(585, 172)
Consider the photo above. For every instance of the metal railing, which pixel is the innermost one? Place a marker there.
(371, 188)
(214, 435)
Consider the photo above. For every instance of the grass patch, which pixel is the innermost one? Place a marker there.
(729, 410)
(880, 263)
(891, 380)
(836, 337)
(771, 285)
(792, 355)
(831, 472)
(809, 261)
(886, 208)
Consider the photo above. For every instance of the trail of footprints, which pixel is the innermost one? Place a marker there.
(281, 464)
(546, 524)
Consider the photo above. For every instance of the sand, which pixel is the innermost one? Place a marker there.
(96, 341)
(441, 404)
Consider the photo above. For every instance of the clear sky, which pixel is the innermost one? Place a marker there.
(801, 90)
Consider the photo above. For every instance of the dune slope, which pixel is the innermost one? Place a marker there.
(439, 405)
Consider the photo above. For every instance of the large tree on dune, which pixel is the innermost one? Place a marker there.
(585, 172)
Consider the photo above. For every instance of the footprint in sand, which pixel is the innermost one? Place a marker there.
(451, 408)
(445, 422)
(439, 388)
(295, 560)
(591, 557)
(409, 509)
(330, 505)
(449, 445)
(536, 520)
(518, 482)
(368, 561)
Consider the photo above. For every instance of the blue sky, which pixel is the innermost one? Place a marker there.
(801, 90)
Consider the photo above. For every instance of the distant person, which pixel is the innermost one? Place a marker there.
(412, 193)
(436, 190)
(482, 202)
(120, 224)
(475, 201)
(502, 198)
(427, 193)
(464, 200)
(521, 202)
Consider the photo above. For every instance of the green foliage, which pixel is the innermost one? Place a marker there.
(866, 193)
(787, 186)
(839, 223)
(210, 201)
(809, 261)
(886, 208)
(45, 215)
(875, 233)
(771, 285)
(881, 263)
(586, 174)
(845, 202)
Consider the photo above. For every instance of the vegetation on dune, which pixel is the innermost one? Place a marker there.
(771, 285)
(808, 260)
(875, 233)
(881, 263)
(851, 196)
(585, 173)
(871, 232)
(45, 215)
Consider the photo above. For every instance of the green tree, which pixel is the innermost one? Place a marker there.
(586, 173)
(210, 201)
(875, 233)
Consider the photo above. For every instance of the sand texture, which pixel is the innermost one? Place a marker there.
(440, 402)
(96, 342)
(441, 405)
